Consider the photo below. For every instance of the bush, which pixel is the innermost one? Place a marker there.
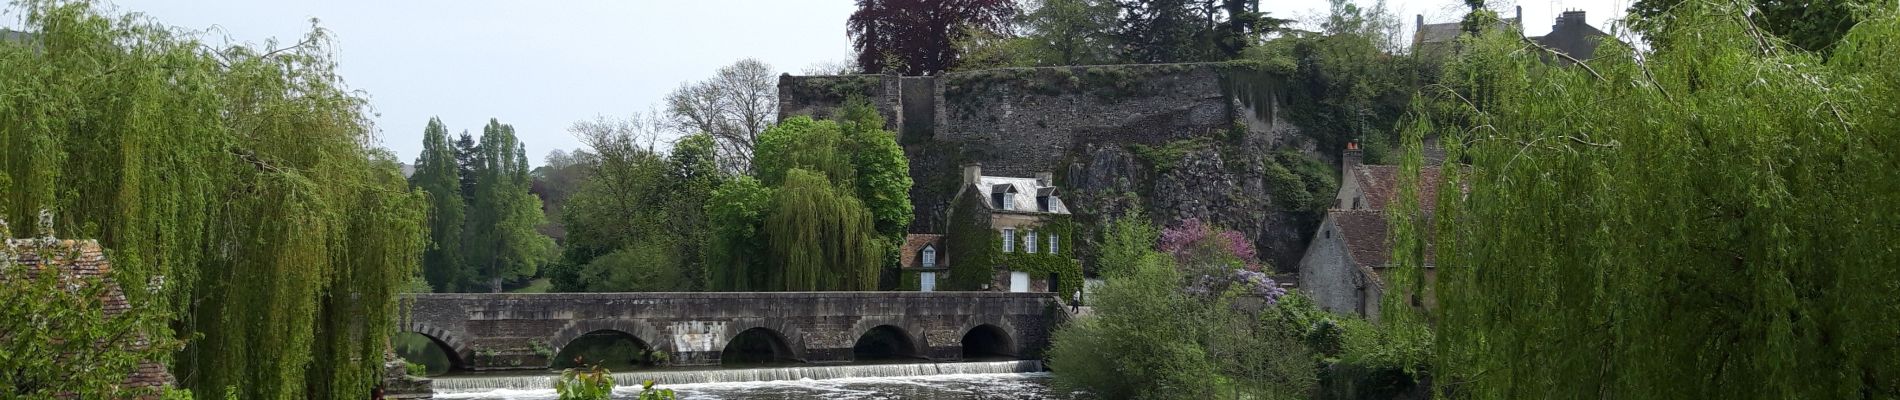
(1151, 338)
(592, 383)
(414, 369)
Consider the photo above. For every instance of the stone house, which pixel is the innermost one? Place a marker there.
(1571, 35)
(923, 254)
(1009, 234)
(82, 261)
(1343, 264)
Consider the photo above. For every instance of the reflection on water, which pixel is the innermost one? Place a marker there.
(959, 386)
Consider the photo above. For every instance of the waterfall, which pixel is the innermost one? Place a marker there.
(686, 376)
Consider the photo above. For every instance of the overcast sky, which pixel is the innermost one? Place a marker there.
(541, 65)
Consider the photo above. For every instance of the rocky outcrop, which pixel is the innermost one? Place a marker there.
(1081, 123)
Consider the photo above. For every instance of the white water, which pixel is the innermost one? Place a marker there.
(936, 387)
(532, 386)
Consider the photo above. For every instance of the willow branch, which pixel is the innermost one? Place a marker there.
(1573, 60)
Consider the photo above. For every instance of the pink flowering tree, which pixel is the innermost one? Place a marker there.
(1214, 259)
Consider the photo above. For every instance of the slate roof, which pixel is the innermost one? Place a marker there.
(911, 256)
(1448, 32)
(1026, 189)
(1368, 237)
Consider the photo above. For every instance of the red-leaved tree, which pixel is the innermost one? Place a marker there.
(917, 37)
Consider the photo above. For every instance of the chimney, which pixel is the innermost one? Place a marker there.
(1045, 179)
(972, 172)
(1351, 158)
(1569, 18)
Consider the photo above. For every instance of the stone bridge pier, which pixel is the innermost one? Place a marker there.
(528, 331)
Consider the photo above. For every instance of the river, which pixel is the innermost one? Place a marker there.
(1033, 385)
(924, 381)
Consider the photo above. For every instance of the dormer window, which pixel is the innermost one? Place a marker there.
(1009, 201)
(930, 256)
(1042, 203)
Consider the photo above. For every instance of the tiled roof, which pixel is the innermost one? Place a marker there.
(85, 259)
(1026, 189)
(1368, 237)
(914, 243)
(1380, 183)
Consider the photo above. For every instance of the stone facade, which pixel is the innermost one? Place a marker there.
(1080, 123)
(1342, 267)
(524, 331)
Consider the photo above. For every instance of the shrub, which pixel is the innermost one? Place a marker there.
(592, 383)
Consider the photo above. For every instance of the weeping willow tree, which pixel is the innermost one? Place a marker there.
(1716, 219)
(237, 185)
(827, 211)
(821, 239)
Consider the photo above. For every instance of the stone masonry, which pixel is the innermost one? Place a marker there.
(525, 331)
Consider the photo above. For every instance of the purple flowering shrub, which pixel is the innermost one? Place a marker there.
(1216, 260)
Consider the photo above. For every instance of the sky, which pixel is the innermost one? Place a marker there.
(542, 65)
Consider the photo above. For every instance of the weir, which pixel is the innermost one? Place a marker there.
(684, 377)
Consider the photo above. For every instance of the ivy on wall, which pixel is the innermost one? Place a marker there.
(975, 249)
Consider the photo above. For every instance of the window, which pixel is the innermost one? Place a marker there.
(1029, 242)
(1042, 203)
(1355, 203)
(1052, 243)
(927, 282)
(930, 257)
(1009, 201)
(1009, 240)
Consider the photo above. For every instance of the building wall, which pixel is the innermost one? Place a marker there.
(1327, 274)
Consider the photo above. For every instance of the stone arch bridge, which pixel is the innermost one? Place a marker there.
(527, 331)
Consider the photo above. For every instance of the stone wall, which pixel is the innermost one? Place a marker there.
(1083, 124)
(523, 331)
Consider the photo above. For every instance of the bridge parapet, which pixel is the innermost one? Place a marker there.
(526, 331)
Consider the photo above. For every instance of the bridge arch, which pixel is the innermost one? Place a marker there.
(641, 332)
(988, 340)
(458, 351)
(759, 344)
(887, 342)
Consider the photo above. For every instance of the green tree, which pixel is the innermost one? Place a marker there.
(736, 257)
(439, 175)
(820, 238)
(1708, 220)
(503, 242)
(233, 186)
(1072, 32)
(1172, 31)
(863, 174)
(1812, 25)
(1150, 338)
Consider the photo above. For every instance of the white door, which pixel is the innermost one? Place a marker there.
(1018, 282)
(929, 282)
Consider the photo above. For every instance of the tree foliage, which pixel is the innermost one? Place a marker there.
(1713, 219)
(918, 37)
(733, 106)
(1171, 31)
(236, 181)
(772, 233)
(438, 174)
(1812, 25)
(503, 242)
(1150, 337)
